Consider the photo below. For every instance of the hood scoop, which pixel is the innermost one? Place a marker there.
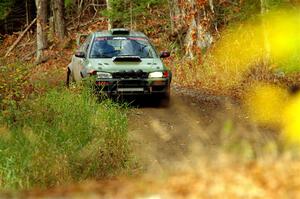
(127, 59)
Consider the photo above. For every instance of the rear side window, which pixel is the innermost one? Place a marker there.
(85, 46)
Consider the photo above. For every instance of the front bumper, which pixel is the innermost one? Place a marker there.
(133, 86)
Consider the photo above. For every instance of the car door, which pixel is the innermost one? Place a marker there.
(78, 63)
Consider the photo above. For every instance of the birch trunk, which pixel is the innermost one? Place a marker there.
(108, 7)
(267, 48)
(170, 4)
(198, 37)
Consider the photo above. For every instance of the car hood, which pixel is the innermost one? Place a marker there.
(108, 65)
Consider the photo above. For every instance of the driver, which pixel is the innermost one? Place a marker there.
(103, 49)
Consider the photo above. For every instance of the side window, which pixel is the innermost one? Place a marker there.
(85, 46)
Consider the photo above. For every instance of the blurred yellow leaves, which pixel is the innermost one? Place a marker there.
(271, 41)
(284, 31)
(291, 121)
(274, 38)
(235, 52)
(238, 48)
(265, 103)
(271, 105)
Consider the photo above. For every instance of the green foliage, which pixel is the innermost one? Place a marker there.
(62, 137)
(5, 8)
(237, 11)
(275, 4)
(122, 11)
(68, 3)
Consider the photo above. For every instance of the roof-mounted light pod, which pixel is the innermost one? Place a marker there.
(120, 31)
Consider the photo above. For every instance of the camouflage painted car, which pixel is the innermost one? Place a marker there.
(123, 62)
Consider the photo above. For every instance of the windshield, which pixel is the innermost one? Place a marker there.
(108, 47)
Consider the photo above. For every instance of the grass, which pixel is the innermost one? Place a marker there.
(61, 137)
(13, 82)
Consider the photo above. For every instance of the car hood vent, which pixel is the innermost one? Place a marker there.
(127, 59)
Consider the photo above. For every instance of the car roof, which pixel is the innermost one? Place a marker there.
(120, 32)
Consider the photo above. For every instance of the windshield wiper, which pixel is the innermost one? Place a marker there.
(105, 56)
(101, 56)
(127, 55)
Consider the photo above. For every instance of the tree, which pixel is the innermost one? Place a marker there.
(126, 13)
(267, 49)
(59, 20)
(108, 7)
(194, 24)
(5, 8)
(41, 39)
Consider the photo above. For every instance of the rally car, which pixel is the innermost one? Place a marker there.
(122, 62)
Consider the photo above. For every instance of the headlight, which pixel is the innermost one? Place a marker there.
(102, 75)
(156, 75)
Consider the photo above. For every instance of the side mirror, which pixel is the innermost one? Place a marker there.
(80, 54)
(165, 54)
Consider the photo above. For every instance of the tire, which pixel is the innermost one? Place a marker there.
(69, 78)
(165, 99)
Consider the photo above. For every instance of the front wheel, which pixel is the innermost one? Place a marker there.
(69, 78)
(165, 98)
(165, 101)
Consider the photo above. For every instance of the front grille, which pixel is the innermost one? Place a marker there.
(130, 74)
(131, 83)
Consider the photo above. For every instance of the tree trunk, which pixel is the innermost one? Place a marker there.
(79, 12)
(27, 16)
(59, 20)
(5, 26)
(267, 49)
(211, 5)
(170, 5)
(41, 39)
(131, 16)
(198, 37)
(109, 25)
(194, 17)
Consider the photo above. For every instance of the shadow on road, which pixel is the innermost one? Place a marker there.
(142, 101)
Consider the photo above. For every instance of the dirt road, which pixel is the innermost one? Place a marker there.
(195, 125)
